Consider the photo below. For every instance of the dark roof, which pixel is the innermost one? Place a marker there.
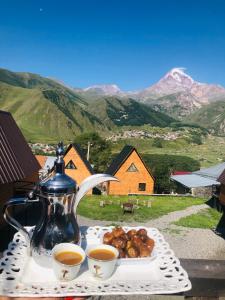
(82, 156)
(221, 178)
(121, 158)
(16, 158)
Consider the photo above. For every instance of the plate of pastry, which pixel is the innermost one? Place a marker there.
(135, 245)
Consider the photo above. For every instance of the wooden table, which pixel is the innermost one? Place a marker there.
(207, 277)
(128, 207)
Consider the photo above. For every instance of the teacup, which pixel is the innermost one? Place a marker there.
(102, 260)
(67, 259)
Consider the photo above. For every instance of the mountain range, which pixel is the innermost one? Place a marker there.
(176, 93)
(48, 110)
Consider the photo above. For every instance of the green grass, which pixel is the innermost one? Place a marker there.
(206, 219)
(89, 207)
(207, 154)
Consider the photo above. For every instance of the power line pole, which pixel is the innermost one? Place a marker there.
(88, 150)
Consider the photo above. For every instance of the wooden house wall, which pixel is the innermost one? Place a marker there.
(222, 194)
(129, 181)
(81, 172)
(33, 178)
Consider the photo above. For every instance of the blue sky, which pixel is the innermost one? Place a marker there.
(128, 42)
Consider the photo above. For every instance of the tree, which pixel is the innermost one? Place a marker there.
(157, 143)
(100, 150)
(196, 139)
(162, 165)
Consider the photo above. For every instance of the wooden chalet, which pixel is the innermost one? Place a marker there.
(17, 162)
(132, 172)
(76, 164)
(18, 166)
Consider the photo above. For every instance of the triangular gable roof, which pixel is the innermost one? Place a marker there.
(16, 158)
(41, 159)
(82, 156)
(121, 158)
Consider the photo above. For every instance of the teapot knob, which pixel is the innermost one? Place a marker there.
(31, 195)
(60, 149)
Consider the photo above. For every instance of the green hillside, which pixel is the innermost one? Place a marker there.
(45, 115)
(127, 112)
(211, 116)
(30, 81)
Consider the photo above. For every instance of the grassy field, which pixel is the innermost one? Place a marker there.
(89, 207)
(206, 219)
(210, 153)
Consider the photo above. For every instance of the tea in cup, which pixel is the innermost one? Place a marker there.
(67, 259)
(102, 260)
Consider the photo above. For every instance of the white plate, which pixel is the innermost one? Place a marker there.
(133, 261)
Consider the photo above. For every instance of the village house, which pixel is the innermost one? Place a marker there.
(133, 174)
(220, 195)
(221, 180)
(76, 164)
(47, 165)
(199, 183)
(18, 166)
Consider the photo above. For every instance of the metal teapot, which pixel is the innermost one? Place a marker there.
(59, 196)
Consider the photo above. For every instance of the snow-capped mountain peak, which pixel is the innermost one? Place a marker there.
(176, 80)
(179, 75)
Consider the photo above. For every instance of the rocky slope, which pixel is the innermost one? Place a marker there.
(211, 116)
(179, 95)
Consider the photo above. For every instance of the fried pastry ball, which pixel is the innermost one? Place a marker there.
(131, 232)
(136, 240)
(119, 243)
(142, 232)
(144, 251)
(122, 253)
(117, 232)
(143, 238)
(129, 245)
(150, 243)
(132, 252)
(124, 237)
(108, 238)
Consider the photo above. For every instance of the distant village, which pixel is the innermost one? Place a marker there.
(39, 148)
(142, 134)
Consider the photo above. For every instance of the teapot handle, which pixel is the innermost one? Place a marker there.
(13, 222)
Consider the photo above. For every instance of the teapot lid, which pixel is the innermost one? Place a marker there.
(60, 183)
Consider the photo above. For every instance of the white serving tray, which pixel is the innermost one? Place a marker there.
(20, 276)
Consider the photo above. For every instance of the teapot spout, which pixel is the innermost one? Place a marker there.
(89, 183)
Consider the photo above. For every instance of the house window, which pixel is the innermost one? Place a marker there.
(71, 165)
(132, 168)
(142, 187)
